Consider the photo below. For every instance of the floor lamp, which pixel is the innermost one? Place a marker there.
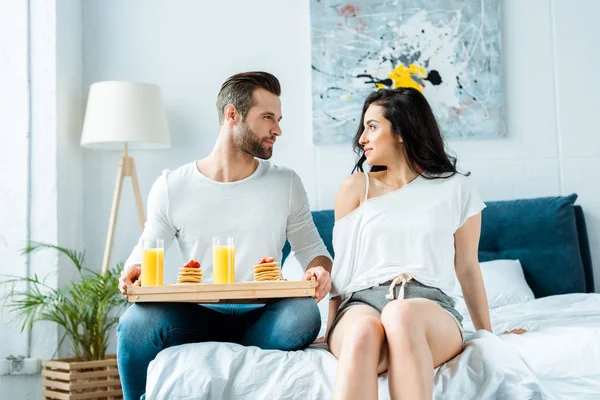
(124, 115)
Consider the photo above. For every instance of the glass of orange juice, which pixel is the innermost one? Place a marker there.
(153, 258)
(223, 259)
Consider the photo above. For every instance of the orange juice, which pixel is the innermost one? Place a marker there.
(223, 264)
(152, 267)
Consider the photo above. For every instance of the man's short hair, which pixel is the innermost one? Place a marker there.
(237, 90)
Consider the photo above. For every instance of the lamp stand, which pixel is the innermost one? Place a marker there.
(126, 168)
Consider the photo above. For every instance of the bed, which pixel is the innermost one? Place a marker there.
(544, 240)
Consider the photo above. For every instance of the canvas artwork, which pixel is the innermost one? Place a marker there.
(447, 49)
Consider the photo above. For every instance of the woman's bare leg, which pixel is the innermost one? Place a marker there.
(420, 335)
(358, 341)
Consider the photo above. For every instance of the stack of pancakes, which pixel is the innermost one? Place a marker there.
(190, 273)
(267, 270)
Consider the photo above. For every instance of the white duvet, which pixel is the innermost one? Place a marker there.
(558, 359)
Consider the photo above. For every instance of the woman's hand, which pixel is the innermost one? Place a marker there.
(517, 331)
(468, 272)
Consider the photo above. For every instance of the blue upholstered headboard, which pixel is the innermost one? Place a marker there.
(548, 235)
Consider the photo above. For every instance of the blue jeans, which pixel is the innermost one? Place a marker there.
(147, 328)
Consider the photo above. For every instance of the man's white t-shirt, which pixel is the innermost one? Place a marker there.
(410, 230)
(259, 212)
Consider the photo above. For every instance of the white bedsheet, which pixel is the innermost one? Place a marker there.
(558, 359)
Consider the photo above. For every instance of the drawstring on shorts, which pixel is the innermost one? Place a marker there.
(404, 279)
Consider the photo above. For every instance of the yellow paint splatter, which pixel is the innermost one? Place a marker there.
(403, 76)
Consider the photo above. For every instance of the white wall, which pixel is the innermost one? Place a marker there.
(51, 178)
(13, 187)
(69, 120)
(70, 105)
(550, 56)
(18, 137)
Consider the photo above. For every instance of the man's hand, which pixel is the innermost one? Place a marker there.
(128, 276)
(319, 340)
(323, 281)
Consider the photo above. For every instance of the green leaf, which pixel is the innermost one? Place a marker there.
(77, 257)
(87, 309)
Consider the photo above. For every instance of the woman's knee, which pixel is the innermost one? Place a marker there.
(366, 334)
(400, 317)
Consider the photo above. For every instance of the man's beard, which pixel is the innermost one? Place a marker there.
(247, 141)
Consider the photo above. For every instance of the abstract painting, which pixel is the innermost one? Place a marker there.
(447, 49)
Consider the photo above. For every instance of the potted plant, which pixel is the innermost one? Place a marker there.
(87, 309)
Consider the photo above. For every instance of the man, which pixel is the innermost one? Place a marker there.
(232, 192)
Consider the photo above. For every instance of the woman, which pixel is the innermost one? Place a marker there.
(403, 232)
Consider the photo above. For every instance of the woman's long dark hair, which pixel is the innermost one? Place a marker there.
(412, 119)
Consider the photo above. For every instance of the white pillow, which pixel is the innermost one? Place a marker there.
(504, 283)
(293, 271)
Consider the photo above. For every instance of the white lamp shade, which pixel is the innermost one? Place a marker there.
(125, 112)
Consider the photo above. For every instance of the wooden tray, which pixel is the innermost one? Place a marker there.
(246, 292)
